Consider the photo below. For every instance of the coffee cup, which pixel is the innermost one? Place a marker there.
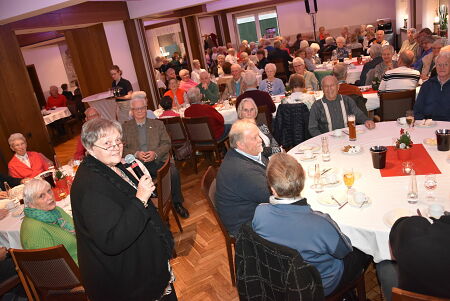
(435, 210)
(359, 197)
(338, 132)
(402, 120)
(378, 156)
(308, 154)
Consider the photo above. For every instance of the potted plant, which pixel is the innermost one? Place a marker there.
(404, 145)
(60, 181)
(376, 83)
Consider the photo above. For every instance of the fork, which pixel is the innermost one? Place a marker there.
(332, 197)
(362, 204)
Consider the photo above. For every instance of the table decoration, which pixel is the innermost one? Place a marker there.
(376, 83)
(404, 145)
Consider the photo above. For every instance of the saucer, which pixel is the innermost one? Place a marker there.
(303, 158)
(325, 198)
(428, 123)
(353, 203)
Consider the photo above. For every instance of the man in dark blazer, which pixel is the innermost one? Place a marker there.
(241, 181)
(148, 141)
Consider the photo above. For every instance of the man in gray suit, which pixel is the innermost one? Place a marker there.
(148, 141)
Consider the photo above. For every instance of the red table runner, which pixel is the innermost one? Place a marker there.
(423, 164)
(370, 91)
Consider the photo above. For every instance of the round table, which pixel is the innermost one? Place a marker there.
(366, 226)
(56, 114)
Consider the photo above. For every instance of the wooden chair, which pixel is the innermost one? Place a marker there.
(208, 186)
(395, 104)
(222, 88)
(176, 131)
(281, 73)
(202, 138)
(9, 284)
(325, 56)
(262, 117)
(164, 191)
(402, 295)
(48, 274)
(357, 52)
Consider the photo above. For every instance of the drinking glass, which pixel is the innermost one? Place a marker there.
(317, 186)
(349, 179)
(410, 118)
(351, 127)
(430, 185)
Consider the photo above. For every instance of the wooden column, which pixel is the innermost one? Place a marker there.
(19, 108)
(195, 41)
(226, 28)
(91, 58)
(219, 30)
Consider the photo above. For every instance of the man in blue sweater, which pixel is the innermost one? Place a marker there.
(241, 181)
(433, 100)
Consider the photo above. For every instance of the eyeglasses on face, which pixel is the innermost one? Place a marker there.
(144, 108)
(109, 146)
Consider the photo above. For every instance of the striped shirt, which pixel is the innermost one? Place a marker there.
(399, 79)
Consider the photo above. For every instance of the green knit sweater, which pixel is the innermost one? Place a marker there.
(36, 235)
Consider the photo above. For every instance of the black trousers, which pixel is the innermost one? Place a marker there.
(171, 297)
(153, 166)
(354, 263)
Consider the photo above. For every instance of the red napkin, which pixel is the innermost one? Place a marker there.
(423, 164)
(356, 63)
(370, 91)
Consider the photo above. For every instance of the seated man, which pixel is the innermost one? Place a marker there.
(235, 86)
(421, 250)
(241, 180)
(380, 38)
(331, 111)
(261, 98)
(215, 119)
(433, 99)
(55, 99)
(375, 55)
(80, 152)
(340, 72)
(208, 89)
(289, 220)
(401, 78)
(148, 141)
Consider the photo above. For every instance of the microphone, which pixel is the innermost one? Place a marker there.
(131, 160)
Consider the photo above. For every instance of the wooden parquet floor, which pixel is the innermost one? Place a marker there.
(201, 266)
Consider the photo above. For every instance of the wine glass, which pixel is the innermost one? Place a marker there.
(430, 185)
(349, 179)
(410, 118)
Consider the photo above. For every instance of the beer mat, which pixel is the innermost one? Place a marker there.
(370, 91)
(423, 164)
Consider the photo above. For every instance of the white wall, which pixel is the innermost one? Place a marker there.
(120, 50)
(207, 25)
(49, 66)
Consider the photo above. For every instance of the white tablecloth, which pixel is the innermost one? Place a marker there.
(102, 102)
(365, 227)
(10, 226)
(57, 113)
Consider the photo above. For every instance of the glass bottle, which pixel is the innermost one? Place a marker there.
(325, 150)
(412, 196)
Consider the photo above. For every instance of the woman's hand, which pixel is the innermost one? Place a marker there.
(145, 188)
(3, 195)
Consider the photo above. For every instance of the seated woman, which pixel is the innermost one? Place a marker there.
(289, 220)
(311, 81)
(341, 52)
(45, 225)
(297, 85)
(309, 59)
(272, 85)
(25, 164)
(166, 104)
(248, 110)
(178, 95)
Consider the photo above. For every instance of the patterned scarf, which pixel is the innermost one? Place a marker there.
(49, 217)
(269, 87)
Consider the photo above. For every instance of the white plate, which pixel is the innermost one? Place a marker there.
(430, 141)
(392, 216)
(303, 158)
(352, 203)
(332, 134)
(325, 198)
(17, 192)
(356, 150)
(401, 124)
(312, 147)
(359, 130)
(428, 124)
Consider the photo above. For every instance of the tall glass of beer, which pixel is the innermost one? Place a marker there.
(351, 127)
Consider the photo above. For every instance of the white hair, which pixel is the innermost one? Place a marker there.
(249, 78)
(32, 189)
(138, 95)
(270, 66)
(303, 44)
(298, 60)
(340, 39)
(315, 46)
(14, 137)
(183, 72)
(194, 95)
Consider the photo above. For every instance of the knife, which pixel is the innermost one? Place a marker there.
(339, 204)
(342, 205)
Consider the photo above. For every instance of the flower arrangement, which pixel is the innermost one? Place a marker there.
(443, 17)
(59, 175)
(404, 141)
(376, 83)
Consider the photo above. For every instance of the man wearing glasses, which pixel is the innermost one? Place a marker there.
(148, 141)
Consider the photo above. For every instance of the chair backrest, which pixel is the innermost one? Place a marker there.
(164, 188)
(48, 274)
(198, 130)
(281, 70)
(208, 186)
(291, 124)
(357, 52)
(325, 56)
(395, 104)
(273, 272)
(403, 295)
(262, 117)
(175, 129)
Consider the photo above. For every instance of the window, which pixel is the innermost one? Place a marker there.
(256, 25)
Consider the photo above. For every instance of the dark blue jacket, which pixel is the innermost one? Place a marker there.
(367, 67)
(433, 101)
(241, 185)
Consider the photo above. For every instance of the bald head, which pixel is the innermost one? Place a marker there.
(236, 71)
(406, 58)
(330, 87)
(91, 113)
(244, 135)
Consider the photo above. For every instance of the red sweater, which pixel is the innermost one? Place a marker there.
(59, 101)
(215, 119)
(18, 169)
(347, 89)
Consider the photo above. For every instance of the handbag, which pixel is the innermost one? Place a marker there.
(183, 152)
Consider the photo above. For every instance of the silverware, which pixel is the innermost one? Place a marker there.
(342, 205)
(325, 171)
(302, 152)
(332, 197)
(418, 212)
(362, 204)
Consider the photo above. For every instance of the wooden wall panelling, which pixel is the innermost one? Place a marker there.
(141, 60)
(226, 28)
(91, 58)
(219, 31)
(195, 41)
(19, 109)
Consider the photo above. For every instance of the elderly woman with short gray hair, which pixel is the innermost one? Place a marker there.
(272, 85)
(341, 52)
(25, 164)
(45, 224)
(118, 228)
(311, 82)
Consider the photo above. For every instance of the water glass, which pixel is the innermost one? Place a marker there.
(430, 185)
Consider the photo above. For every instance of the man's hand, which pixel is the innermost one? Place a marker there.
(140, 155)
(369, 124)
(151, 155)
(146, 156)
